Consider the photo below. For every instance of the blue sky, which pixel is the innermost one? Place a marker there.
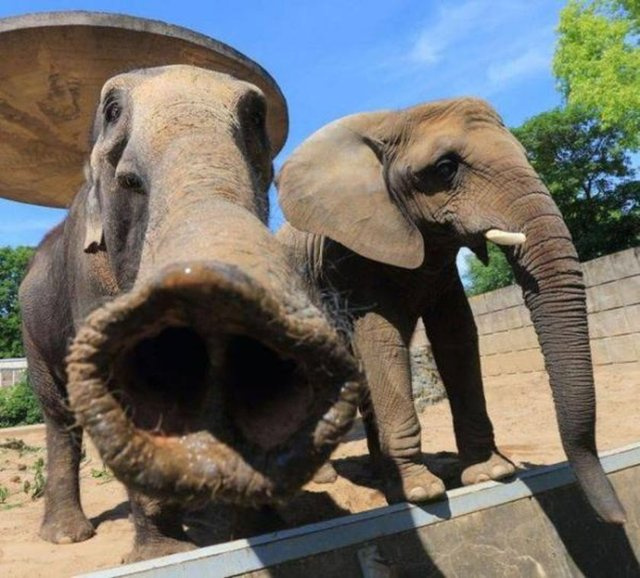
(337, 57)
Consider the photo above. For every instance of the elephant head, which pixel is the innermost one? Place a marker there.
(211, 374)
(399, 187)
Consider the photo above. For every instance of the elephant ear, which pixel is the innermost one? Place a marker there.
(94, 233)
(333, 185)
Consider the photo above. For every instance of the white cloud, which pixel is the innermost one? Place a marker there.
(455, 25)
(531, 62)
(476, 47)
(450, 25)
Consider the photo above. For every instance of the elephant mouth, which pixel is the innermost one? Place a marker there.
(458, 234)
(203, 386)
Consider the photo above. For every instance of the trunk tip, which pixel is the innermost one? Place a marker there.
(615, 514)
(606, 504)
(598, 490)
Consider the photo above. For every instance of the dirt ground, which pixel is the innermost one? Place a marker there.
(525, 430)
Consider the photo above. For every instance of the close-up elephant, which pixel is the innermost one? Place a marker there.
(195, 350)
(378, 205)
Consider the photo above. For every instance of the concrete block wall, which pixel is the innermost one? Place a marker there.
(509, 345)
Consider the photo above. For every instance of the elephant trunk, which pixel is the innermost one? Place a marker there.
(215, 377)
(548, 270)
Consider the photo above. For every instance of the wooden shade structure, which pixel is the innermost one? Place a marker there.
(52, 68)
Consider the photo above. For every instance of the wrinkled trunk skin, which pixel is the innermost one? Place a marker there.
(549, 272)
(215, 377)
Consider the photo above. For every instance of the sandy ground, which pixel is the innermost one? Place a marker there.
(525, 430)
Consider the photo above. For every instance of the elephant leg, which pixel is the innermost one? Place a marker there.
(327, 473)
(64, 521)
(371, 428)
(454, 339)
(382, 346)
(158, 529)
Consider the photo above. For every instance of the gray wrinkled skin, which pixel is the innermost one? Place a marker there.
(379, 205)
(193, 345)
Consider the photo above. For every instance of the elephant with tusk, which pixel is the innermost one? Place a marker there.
(163, 318)
(378, 205)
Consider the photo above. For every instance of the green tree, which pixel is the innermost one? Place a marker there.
(591, 178)
(496, 274)
(13, 264)
(597, 61)
(19, 405)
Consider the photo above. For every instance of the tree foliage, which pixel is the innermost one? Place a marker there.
(590, 176)
(19, 405)
(597, 61)
(495, 275)
(13, 264)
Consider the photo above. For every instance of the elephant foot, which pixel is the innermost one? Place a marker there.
(156, 549)
(66, 527)
(416, 484)
(497, 467)
(326, 474)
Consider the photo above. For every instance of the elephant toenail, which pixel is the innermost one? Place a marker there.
(437, 489)
(498, 472)
(417, 494)
(65, 540)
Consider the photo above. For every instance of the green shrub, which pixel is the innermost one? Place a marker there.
(19, 405)
(36, 488)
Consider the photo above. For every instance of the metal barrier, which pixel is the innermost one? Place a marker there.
(536, 525)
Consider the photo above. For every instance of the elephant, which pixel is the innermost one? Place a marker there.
(163, 317)
(377, 207)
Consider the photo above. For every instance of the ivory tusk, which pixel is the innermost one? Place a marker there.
(500, 237)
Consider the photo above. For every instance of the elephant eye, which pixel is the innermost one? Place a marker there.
(446, 168)
(112, 112)
(112, 109)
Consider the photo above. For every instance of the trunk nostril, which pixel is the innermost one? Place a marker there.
(269, 396)
(174, 363)
(255, 372)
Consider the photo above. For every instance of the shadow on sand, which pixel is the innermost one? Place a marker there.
(119, 512)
